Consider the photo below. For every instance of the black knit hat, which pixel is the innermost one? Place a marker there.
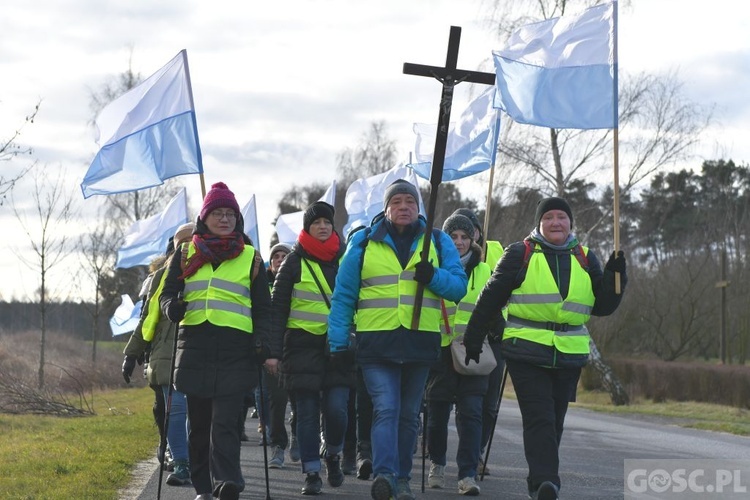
(399, 186)
(553, 203)
(315, 211)
(458, 221)
(469, 213)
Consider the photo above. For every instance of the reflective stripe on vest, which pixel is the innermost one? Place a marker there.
(221, 296)
(536, 311)
(153, 313)
(308, 309)
(386, 288)
(459, 314)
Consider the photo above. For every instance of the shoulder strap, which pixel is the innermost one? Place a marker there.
(183, 256)
(256, 265)
(583, 259)
(317, 282)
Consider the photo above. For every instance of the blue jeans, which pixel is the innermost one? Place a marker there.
(264, 406)
(469, 431)
(178, 424)
(335, 401)
(396, 391)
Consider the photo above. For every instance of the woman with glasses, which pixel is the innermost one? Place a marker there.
(217, 290)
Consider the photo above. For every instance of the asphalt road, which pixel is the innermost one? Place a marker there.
(594, 448)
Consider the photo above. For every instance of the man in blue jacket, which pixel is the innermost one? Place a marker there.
(378, 279)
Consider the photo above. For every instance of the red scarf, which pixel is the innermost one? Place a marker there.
(324, 251)
(213, 249)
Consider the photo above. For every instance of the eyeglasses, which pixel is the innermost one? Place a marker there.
(218, 215)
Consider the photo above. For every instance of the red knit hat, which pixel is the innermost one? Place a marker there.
(219, 196)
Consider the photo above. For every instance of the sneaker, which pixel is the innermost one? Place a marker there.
(254, 413)
(181, 474)
(468, 486)
(294, 450)
(349, 463)
(313, 484)
(334, 473)
(277, 458)
(436, 479)
(383, 487)
(546, 491)
(403, 491)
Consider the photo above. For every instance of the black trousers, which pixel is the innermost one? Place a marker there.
(214, 442)
(489, 401)
(277, 414)
(543, 395)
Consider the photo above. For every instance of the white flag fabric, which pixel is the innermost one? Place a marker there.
(148, 238)
(364, 198)
(147, 135)
(471, 144)
(288, 226)
(126, 316)
(560, 73)
(250, 216)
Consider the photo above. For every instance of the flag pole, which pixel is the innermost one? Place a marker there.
(195, 122)
(616, 148)
(486, 224)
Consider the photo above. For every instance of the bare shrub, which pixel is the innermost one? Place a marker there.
(71, 375)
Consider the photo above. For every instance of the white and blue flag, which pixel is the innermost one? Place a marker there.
(560, 73)
(147, 135)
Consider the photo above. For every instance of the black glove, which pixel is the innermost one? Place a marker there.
(340, 361)
(176, 310)
(423, 272)
(616, 264)
(127, 368)
(472, 352)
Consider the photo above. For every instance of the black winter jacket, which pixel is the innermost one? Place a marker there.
(214, 360)
(304, 360)
(509, 274)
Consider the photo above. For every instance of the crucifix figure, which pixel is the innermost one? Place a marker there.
(449, 76)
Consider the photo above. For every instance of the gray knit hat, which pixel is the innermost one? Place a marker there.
(281, 247)
(458, 221)
(399, 186)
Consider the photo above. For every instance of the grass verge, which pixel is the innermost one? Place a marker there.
(83, 457)
(690, 414)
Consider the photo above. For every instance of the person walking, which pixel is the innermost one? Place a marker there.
(446, 386)
(317, 381)
(551, 285)
(276, 394)
(378, 278)
(154, 333)
(217, 290)
(492, 251)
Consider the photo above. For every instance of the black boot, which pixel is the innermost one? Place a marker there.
(334, 474)
(349, 460)
(364, 460)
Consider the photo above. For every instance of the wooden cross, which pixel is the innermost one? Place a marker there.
(449, 76)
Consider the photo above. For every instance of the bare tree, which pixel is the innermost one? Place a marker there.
(44, 224)
(375, 153)
(97, 249)
(10, 149)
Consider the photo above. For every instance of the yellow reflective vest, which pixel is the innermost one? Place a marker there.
(221, 296)
(537, 312)
(459, 314)
(387, 292)
(153, 313)
(492, 254)
(308, 310)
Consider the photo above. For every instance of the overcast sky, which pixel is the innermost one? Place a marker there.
(281, 87)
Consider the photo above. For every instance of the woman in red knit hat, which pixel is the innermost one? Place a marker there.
(217, 290)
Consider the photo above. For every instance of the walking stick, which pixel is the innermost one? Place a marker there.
(494, 423)
(424, 438)
(168, 407)
(261, 412)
